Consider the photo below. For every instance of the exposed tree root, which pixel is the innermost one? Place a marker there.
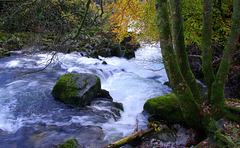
(233, 109)
(223, 139)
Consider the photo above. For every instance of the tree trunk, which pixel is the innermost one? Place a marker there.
(180, 49)
(217, 98)
(189, 107)
(206, 45)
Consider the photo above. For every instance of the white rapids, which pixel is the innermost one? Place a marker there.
(27, 101)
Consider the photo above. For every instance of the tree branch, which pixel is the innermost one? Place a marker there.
(217, 98)
(130, 138)
(83, 20)
(206, 45)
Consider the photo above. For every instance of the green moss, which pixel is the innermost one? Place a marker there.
(72, 143)
(232, 108)
(232, 116)
(166, 107)
(224, 141)
(77, 88)
(236, 100)
(65, 88)
(211, 127)
(99, 80)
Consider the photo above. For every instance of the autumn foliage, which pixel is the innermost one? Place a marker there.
(134, 16)
(139, 17)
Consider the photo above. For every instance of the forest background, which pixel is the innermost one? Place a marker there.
(39, 21)
(56, 22)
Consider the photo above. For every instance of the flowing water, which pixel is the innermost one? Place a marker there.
(30, 117)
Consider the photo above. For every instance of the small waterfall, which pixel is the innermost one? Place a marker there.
(30, 117)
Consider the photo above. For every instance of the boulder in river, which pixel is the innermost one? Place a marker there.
(77, 88)
(165, 107)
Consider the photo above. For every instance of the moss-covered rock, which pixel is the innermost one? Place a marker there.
(77, 88)
(165, 107)
(72, 143)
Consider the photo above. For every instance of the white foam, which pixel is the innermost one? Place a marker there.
(130, 82)
(13, 64)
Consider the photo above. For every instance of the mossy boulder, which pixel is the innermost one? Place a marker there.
(72, 143)
(165, 107)
(77, 88)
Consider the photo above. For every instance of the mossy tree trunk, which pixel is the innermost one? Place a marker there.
(206, 45)
(189, 107)
(217, 97)
(177, 68)
(180, 49)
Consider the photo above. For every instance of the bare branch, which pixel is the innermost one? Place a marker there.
(83, 20)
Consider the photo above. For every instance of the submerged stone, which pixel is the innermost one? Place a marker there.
(165, 107)
(77, 88)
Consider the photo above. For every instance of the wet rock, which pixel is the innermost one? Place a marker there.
(182, 137)
(118, 105)
(165, 107)
(104, 104)
(104, 63)
(77, 88)
(167, 83)
(166, 135)
(186, 137)
(104, 94)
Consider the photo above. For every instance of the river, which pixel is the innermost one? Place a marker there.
(31, 118)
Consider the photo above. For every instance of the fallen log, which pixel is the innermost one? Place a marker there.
(129, 138)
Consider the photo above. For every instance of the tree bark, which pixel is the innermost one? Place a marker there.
(180, 49)
(206, 45)
(217, 98)
(189, 107)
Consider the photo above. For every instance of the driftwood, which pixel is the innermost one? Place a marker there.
(136, 126)
(129, 138)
